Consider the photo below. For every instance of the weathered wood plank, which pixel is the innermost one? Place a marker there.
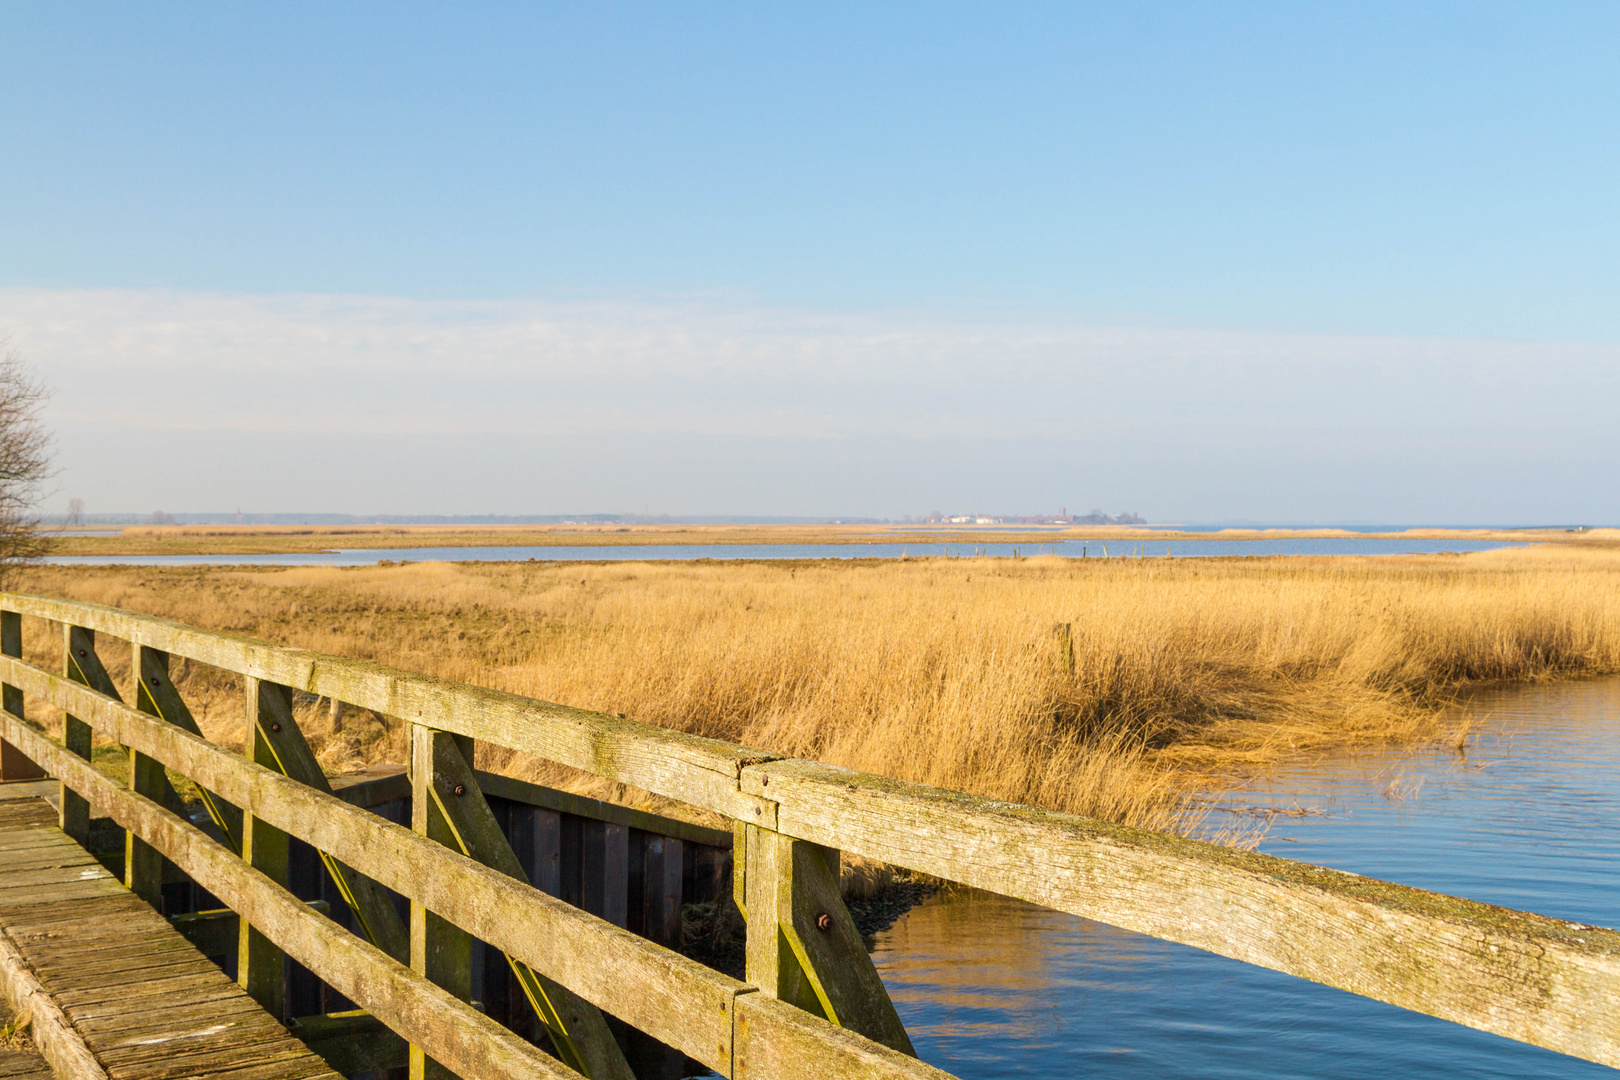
(521, 791)
(47, 859)
(286, 1055)
(195, 1055)
(260, 965)
(138, 1018)
(159, 988)
(155, 694)
(50, 894)
(604, 870)
(143, 867)
(59, 1043)
(605, 965)
(14, 766)
(22, 1065)
(662, 874)
(440, 950)
(441, 767)
(269, 1071)
(79, 663)
(694, 770)
(77, 980)
(289, 753)
(468, 1042)
(16, 879)
(1544, 981)
(802, 944)
(775, 1040)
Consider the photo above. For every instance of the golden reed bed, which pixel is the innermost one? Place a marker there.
(1107, 688)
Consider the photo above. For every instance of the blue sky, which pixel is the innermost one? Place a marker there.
(1439, 179)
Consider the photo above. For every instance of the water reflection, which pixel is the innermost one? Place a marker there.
(1528, 817)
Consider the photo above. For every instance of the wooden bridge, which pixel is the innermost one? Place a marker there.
(453, 945)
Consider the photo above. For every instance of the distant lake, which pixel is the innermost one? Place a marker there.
(1072, 549)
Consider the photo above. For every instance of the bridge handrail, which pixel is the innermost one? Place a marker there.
(1540, 980)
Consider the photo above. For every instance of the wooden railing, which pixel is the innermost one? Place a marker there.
(812, 1004)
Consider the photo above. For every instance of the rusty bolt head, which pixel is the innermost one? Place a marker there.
(275, 726)
(824, 922)
(83, 653)
(763, 780)
(157, 682)
(460, 789)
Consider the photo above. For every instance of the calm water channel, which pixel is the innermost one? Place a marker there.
(1090, 549)
(1529, 817)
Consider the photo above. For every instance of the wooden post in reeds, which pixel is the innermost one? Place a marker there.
(14, 764)
(1065, 639)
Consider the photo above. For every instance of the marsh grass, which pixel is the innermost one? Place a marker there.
(1106, 688)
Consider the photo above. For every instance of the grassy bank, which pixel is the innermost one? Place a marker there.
(1106, 688)
(273, 539)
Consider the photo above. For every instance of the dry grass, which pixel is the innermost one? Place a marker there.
(949, 672)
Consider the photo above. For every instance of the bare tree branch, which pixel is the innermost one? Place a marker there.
(25, 462)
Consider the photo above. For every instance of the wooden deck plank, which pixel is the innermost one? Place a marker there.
(88, 889)
(156, 1061)
(200, 1056)
(146, 1004)
(20, 1064)
(46, 859)
(119, 982)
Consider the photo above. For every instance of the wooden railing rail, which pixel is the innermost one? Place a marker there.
(1544, 981)
(679, 1001)
(694, 770)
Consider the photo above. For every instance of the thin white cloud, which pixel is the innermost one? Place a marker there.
(151, 365)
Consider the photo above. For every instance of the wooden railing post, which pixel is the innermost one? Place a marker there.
(442, 778)
(803, 947)
(80, 663)
(143, 865)
(14, 764)
(440, 950)
(260, 965)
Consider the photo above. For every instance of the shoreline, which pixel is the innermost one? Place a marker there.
(148, 540)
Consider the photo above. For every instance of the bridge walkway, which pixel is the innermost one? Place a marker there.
(141, 1001)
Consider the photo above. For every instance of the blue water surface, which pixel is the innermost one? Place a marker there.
(1074, 549)
(1528, 817)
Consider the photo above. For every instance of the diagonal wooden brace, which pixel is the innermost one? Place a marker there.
(156, 695)
(578, 1030)
(290, 755)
